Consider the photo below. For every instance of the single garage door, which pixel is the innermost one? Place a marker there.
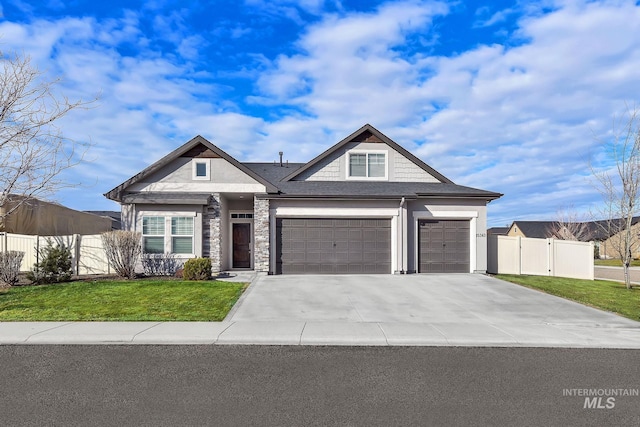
(333, 246)
(444, 246)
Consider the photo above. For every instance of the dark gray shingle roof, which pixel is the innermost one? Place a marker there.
(275, 174)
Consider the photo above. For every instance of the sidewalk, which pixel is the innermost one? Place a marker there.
(492, 331)
(318, 333)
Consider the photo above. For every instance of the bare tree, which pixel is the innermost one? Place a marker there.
(620, 189)
(569, 225)
(33, 151)
(123, 250)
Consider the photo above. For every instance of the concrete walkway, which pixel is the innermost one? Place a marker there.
(417, 310)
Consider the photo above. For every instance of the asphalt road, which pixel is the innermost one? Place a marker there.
(306, 386)
(616, 273)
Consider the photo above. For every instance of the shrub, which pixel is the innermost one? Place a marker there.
(123, 249)
(197, 269)
(54, 265)
(10, 267)
(159, 264)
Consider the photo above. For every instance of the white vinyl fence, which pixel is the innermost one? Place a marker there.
(88, 253)
(540, 257)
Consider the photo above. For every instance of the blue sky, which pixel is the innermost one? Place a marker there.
(509, 96)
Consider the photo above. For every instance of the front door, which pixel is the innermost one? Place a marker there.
(241, 245)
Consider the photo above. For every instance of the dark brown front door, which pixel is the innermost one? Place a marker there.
(241, 245)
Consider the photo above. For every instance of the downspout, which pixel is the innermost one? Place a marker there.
(401, 220)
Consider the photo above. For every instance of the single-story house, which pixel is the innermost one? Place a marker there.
(115, 217)
(532, 229)
(365, 205)
(605, 234)
(497, 231)
(31, 216)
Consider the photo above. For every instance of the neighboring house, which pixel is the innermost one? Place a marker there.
(602, 233)
(115, 216)
(609, 244)
(37, 217)
(532, 229)
(366, 205)
(497, 231)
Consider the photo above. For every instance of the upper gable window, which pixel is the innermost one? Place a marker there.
(365, 165)
(201, 169)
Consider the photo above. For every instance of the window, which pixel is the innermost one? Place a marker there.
(241, 215)
(201, 168)
(367, 165)
(181, 235)
(358, 165)
(153, 234)
(167, 234)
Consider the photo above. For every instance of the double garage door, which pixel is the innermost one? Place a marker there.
(363, 246)
(333, 246)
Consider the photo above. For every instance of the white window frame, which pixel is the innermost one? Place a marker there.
(171, 235)
(168, 235)
(207, 163)
(366, 166)
(163, 235)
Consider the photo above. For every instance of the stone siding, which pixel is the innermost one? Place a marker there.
(261, 234)
(211, 238)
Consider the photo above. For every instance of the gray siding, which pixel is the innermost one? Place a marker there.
(334, 167)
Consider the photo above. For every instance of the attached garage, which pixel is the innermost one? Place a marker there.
(443, 246)
(333, 246)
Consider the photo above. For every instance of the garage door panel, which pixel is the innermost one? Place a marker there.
(443, 246)
(338, 245)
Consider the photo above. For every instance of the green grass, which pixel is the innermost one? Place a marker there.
(605, 295)
(615, 262)
(154, 300)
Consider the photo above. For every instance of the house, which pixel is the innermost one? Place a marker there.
(497, 231)
(532, 229)
(365, 205)
(32, 216)
(606, 234)
(115, 217)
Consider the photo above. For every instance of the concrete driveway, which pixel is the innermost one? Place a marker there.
(453, 309)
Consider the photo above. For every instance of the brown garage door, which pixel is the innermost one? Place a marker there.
(444, 246)
(333, 246)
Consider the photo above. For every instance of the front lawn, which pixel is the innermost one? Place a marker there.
(605, 295)
(154, 300)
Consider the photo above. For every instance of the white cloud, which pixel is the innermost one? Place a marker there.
(518, 118)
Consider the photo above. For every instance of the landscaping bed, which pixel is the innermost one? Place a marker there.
(605, 295)
(103, 299)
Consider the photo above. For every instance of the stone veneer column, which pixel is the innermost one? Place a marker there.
(260, 234)
(211, 239)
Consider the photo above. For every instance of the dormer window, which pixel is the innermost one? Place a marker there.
(367, 165)
(201, 169)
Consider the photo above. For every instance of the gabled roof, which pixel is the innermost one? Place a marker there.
(535, 229)
(117, 193)
(382, 137)
(278, 176)
(594, 230)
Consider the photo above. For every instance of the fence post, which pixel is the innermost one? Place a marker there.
(519, 257)
(37, 249)
(550, 257)
(77, 241)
